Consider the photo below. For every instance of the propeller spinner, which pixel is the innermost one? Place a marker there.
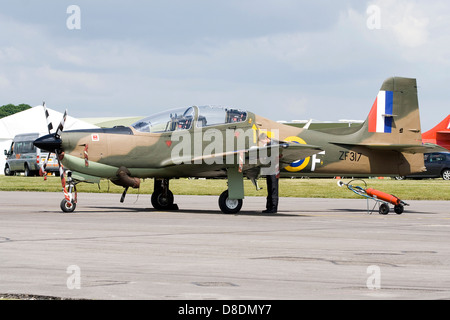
(49, 143)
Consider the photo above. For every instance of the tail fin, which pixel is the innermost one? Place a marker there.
(440, 134)
(393, 125)
(394, 118)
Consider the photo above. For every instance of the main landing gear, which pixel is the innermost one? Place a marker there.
(162, 197)
(228, 205)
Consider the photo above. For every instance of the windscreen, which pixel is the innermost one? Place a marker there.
(172, 120)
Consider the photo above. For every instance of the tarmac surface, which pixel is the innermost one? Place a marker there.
(310, 249)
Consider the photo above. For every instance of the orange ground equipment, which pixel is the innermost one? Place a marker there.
(381, 198)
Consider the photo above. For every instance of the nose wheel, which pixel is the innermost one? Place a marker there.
(69, 203)
(67, 207)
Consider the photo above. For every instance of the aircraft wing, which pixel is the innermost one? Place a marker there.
(291, 152)
(254, 156)
(82, 177)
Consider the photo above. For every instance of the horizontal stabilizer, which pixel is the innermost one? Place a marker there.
(409, 148)
(406, 148)
(431, 147)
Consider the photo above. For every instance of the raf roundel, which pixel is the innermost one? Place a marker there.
(299, 164)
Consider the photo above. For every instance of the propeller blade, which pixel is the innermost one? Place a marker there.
(60, 128)
(42, 171)
(43, 166)
(52, 143)
(49, 124)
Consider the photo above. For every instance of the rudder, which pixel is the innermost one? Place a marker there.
(394, 117)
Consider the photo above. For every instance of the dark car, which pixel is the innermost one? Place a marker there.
(437, 164)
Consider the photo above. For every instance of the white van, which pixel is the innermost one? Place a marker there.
(23, 156)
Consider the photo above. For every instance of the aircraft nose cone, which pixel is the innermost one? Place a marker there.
(48, 143)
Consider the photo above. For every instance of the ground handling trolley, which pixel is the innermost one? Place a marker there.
(381, 198)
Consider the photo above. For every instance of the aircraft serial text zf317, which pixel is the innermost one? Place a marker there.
(216, 142)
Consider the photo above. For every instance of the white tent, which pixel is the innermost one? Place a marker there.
(33, 120)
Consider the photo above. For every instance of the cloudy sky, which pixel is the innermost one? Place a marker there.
(284, 59)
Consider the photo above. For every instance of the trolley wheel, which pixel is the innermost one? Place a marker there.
(384, 208)
(398, 209)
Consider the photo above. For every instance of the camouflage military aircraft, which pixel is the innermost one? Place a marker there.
(218, 142)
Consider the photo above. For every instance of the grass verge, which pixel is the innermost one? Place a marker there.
(428, 189)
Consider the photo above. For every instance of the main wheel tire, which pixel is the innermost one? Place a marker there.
(65, 206)
(398, 209)
(384, 209)
(446, 174)
(229, 205)
(161, 202)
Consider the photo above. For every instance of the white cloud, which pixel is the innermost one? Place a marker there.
(412, 31)
(10, 55)
(415, 29)
(408, 21)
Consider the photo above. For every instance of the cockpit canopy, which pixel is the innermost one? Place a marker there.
(185, 118)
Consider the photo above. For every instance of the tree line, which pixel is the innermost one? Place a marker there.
(9, 109)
